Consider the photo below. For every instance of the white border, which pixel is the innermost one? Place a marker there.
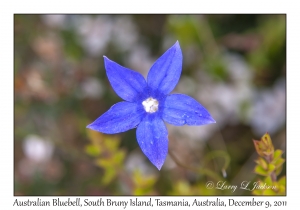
(154, 6)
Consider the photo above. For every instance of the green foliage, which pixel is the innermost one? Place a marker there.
(271, 52)
(143, 184)
(107, 154)
(195, 31)
(71, 45)
(182, 187)
(110, 157)
(269, 165)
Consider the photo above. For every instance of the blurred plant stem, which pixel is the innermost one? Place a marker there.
(205, 35)
(216, 154)
(203, 171)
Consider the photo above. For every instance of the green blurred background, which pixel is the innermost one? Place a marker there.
(234, 65)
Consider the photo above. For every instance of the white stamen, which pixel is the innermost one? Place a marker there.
(150, 105)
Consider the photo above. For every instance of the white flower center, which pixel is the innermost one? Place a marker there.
(150, 105)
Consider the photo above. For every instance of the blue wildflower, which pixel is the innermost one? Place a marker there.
(148, 104)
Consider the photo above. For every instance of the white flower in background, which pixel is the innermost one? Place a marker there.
(268, 111)
(140, 60)
(54, 20)
(124, 33)
(223, 99)
(38, 158)
(37, 149)
(95, 33)
(91, 88)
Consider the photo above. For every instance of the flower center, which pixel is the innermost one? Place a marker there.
(150, 105)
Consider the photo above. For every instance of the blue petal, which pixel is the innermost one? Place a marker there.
(181, 109)
(165, 72)
(128, 84)
(152, 136)
(120, 117)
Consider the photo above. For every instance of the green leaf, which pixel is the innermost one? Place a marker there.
(257, 192)
(282, 181)
(71, 46)
(119, 157)
(268, 180)
(111, 144)
(278, 162)
(143, 184)
(269, 192)
(264, 147)
(260, 161)
(92, 150)
(281, 190)
(277, 154)
(104, 163)
(138, 192)
(259, 170)
(271, 168)
(278, 170)
(109, 175)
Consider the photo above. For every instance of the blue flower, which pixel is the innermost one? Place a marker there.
(149, 103)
